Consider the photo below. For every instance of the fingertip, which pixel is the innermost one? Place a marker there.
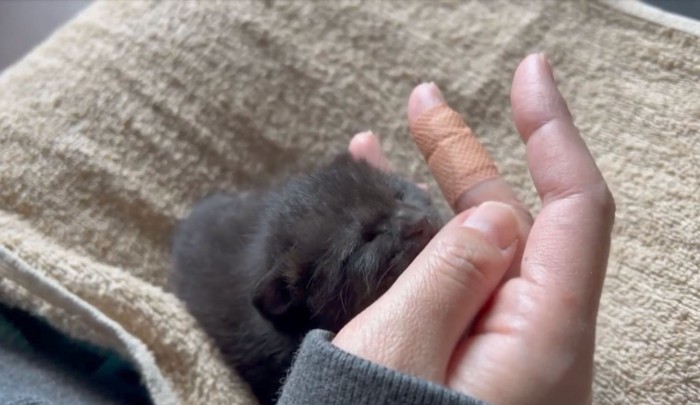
(360, 140)
(535, 99)
(422, 98)
(366, 146)
(363, 145)
(530, 74)
(497, 221)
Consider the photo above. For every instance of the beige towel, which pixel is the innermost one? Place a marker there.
(114, 126)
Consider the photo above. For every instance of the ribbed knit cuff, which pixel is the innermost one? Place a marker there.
(324, 374)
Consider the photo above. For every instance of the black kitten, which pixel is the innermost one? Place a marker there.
(259, 269)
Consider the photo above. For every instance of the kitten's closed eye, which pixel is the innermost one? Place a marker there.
(372, 231)
(369, 234)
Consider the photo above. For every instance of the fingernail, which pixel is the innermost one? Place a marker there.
(547, 66)
(429, 95)
(496, 221)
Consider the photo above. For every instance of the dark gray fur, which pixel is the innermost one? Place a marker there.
(259, 269)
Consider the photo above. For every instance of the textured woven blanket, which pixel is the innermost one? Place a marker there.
(117, 123)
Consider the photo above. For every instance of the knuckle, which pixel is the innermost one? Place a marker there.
(459, 263)
(602, 200)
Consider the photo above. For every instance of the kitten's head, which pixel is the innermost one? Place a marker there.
(337, 239)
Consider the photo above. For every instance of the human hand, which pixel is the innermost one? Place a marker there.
(498, 307)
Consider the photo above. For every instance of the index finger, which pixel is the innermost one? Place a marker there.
(460, 164)
(465, 172)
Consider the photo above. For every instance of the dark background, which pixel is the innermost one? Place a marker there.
(688, 8)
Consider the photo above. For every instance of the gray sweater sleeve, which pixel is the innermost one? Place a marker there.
(324, 374)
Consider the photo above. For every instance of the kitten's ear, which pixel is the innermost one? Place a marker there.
(274, 296)
(277, 297)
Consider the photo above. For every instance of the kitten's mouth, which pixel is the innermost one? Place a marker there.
(421, 231)
(419, 239)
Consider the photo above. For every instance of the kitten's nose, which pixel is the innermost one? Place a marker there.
(413, 223)
(416, 229)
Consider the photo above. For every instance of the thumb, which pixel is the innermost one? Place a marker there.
(415, 326)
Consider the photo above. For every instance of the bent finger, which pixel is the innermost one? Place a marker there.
(366, 145)
(462, 167)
